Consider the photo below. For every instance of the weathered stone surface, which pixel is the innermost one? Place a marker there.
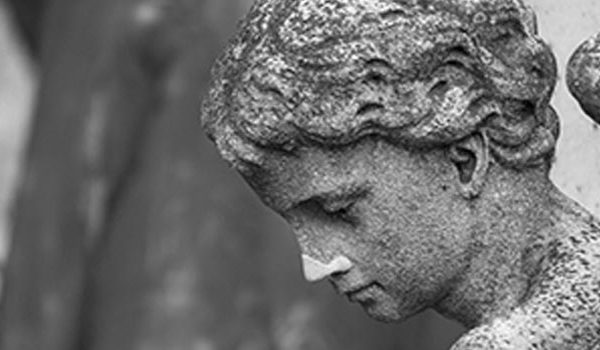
(583, 76)
(413, 139)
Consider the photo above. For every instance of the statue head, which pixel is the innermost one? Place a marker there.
(382, 129)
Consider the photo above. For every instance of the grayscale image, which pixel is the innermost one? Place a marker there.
(299, 175)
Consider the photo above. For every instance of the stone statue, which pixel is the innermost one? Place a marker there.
(408, 144)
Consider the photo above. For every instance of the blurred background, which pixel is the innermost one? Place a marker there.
(121, 228)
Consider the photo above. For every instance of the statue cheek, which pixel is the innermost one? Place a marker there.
(386, 239)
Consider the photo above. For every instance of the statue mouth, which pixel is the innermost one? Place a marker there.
(362, 294)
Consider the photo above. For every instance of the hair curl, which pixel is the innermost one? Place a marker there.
(418, 72)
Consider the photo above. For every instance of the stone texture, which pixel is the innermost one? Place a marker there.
(414, 139)
(583, 76)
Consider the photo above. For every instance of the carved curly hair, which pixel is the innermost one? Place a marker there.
(424, 73)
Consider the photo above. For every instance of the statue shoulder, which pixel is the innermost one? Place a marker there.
(560, 310)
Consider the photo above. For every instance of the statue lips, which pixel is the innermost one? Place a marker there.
(362, 294)
(356, 286)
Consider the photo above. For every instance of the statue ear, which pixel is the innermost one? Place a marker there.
(471, 158)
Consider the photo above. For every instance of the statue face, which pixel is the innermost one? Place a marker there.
(395, 214)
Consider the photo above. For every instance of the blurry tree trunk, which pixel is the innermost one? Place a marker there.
(130, 233)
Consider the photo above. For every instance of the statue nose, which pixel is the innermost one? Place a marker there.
(315, 270)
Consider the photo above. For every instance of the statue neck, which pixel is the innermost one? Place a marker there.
(514, 219)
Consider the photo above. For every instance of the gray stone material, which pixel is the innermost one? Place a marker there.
(408, 144)
(583, 76)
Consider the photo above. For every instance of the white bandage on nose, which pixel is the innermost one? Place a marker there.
(315, 270)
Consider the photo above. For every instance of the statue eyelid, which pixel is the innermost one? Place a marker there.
(341, 210)
(336, 210)
(343, 206)
(337, 206)
(340, 207)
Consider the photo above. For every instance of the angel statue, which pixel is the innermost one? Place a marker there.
(408, 144)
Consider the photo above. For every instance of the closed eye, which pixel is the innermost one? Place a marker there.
(327, 211)
(335, 205)
(342, 211)
(333, 211)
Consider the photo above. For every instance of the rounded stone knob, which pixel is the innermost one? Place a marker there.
(583, 76)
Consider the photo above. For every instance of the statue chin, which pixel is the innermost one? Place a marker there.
(382, 306)
(384, 313)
